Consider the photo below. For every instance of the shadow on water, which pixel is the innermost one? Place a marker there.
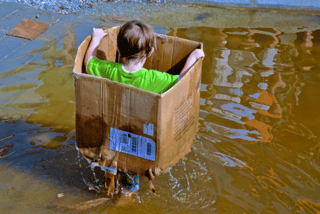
(257, 150)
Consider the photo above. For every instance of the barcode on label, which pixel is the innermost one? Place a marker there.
(149, 149)
(124, 138)
(132, 144)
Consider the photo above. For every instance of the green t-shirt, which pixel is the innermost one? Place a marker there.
(150, 80)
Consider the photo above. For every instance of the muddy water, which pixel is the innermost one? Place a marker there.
(257, 150)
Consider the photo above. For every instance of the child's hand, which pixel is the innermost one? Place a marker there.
(98, 34)
(197, 53)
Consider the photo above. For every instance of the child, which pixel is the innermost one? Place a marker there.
(136, 42)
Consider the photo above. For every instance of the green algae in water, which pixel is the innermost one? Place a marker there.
(24, 86)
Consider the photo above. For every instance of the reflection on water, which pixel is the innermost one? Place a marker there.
(259, 112)
(42, 91)
(257, 150)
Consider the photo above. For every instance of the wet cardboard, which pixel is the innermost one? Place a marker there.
(28, 29)
(169, 119)
(114, 18)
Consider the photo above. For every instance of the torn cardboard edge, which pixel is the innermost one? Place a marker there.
(28, 29)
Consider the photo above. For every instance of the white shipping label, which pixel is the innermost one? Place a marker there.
(148, 129)
(145, 129)
(132, 144)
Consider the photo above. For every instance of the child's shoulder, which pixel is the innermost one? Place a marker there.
(98, 66)
(96, 60)
(158, 73)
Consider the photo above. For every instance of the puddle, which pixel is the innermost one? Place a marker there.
(257, 150)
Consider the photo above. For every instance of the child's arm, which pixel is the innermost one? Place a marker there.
(196, 54)
(97, 35)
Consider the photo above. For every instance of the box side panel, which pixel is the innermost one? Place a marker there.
(131, 110)
(171, 54)
(88, 110)
(197, 82)
(149, 61)
(107, 49)
(179, 117)
(167, 54)
(170, 51)
(79, 60)
(181, 50)
(158, 57)
(161, 59)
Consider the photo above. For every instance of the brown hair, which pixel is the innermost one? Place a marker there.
(135, 40)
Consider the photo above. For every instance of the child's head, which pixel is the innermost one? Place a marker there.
(135, 40)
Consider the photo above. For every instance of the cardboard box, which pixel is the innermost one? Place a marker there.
(148, 130)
